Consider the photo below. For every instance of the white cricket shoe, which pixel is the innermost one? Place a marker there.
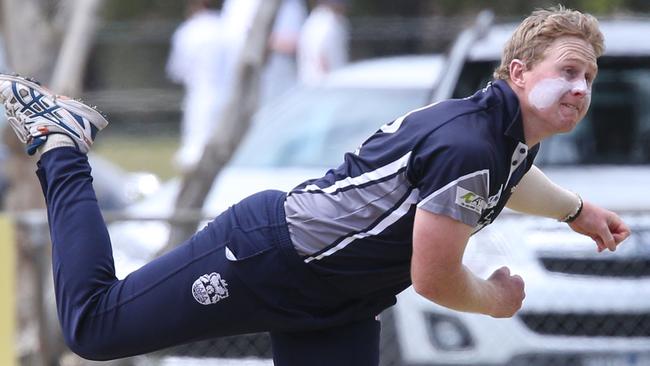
(34, 112)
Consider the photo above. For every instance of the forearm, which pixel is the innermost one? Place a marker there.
(438, 273)
(538, 195)
(459, 290)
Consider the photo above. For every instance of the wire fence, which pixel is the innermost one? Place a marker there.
(572, 320)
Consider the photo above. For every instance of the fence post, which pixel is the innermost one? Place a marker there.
(7, 291)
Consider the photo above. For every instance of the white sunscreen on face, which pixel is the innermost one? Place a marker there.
(549, 91)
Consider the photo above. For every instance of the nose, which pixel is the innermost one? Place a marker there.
(578, 93)
(580, 89)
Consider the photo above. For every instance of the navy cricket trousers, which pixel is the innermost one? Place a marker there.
(240, 274)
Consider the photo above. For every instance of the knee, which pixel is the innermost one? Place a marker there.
(90, 345)
(89, 350)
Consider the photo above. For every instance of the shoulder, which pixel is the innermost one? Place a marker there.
(457, 124)
(455, 148)
(460, 141)
(454, 113)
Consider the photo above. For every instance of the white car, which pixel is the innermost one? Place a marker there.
(581, 308)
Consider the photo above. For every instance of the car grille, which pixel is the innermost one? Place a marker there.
(546, 360)
(588, 325)
(632, 268)
(590, 358)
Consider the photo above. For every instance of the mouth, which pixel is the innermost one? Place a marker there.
(571, 106)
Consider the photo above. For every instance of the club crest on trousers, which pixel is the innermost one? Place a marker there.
(209, 289)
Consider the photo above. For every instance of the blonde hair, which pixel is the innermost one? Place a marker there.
(534, 35)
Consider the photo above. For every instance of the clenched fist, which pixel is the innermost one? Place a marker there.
(508, 293)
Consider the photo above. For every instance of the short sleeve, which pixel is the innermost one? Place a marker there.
(452, 175)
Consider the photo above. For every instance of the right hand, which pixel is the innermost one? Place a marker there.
(509, 293)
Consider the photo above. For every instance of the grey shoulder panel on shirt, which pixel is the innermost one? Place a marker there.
(463, 199)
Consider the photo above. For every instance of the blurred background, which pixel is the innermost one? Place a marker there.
(334, 72)
(126, 65)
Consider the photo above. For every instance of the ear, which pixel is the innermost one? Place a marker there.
(517, 69)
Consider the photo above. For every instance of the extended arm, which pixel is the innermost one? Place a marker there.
(538, 195)
(439, 275)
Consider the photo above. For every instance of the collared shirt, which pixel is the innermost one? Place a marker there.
(460, 158)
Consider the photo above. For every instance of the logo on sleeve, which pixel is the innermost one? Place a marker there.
(470, 200)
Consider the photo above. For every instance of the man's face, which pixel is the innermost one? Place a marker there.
(558, 88)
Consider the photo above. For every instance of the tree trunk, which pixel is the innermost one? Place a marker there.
(71, 64)
(32, 37)
(235, 119)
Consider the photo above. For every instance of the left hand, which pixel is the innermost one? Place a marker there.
(605, 227)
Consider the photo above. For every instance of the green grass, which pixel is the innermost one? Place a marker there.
(140, 153)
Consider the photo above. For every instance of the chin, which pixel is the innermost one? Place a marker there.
(568, 123)
(571, 125)
(565, 125)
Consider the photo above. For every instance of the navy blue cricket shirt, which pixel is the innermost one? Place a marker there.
(459, 158)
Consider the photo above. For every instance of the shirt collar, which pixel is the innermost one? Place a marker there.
(514, 126)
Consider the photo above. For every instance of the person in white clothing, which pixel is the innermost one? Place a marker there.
(324, 41)
(200, 61)
(280, 72)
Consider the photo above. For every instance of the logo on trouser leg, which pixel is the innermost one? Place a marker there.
(209, 289)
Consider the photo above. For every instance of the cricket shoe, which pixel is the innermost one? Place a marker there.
(34, 112)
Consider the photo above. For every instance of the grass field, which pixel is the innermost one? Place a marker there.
(140, 153)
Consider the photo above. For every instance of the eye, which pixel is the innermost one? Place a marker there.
(569, 72)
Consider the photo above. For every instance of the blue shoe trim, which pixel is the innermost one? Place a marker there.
(35, 144)
(46, 112)
(80, 120)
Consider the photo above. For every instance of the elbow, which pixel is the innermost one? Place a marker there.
(438, 286)
(420, 288)
(427, 289)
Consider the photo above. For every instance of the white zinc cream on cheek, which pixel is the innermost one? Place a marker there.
(548, 91)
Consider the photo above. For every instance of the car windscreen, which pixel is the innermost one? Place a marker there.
(314, 127)
(616, 130)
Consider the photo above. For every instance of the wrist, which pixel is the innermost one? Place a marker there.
(573, 215)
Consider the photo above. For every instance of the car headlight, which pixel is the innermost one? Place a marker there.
(448, 334)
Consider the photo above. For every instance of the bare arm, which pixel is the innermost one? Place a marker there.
(538, 195)
(439, 275)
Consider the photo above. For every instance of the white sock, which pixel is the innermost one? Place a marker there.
(56, 140)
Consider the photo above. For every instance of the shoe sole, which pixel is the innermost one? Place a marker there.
(91, 114)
